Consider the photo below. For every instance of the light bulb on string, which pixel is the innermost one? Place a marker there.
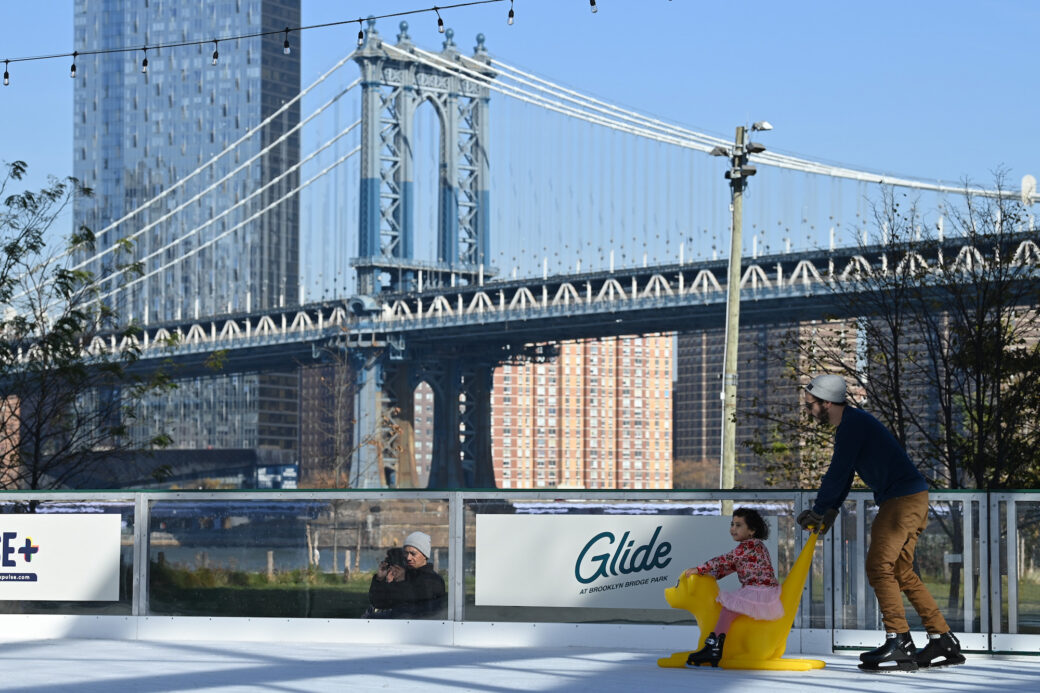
(144, 63)
(7, 75)
(216, 54)
(440, 22)
(286, 49)
(511, 14)
(592, 6)
(360, 34)
(72, 70)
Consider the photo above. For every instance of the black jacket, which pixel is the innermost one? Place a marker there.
(420, 594)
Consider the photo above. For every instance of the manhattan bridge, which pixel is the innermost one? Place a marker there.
(456, 211)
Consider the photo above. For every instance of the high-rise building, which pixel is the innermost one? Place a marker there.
(697, 409)
(597, 416)
(698, 405)
(227, 240)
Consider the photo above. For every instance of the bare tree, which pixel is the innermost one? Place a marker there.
(66, 382)
(941, 342)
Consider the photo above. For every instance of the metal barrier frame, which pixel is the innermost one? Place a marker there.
(995, 510)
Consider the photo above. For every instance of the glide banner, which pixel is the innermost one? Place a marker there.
(602, 561)
(71, 557)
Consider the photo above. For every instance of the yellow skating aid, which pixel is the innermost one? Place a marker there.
(750, 644)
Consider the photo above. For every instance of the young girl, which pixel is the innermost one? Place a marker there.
(759, 594)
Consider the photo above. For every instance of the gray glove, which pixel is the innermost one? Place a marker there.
(808, 520)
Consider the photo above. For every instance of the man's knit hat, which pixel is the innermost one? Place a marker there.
(830, 388)
(420, 541)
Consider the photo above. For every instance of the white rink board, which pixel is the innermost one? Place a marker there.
(71, 557)
(600, 561)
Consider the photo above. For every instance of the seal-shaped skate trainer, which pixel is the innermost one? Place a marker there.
(749, 644)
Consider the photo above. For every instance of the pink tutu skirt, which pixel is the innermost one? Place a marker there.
(762, 603)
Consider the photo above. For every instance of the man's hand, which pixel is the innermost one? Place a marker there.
(811, 520)
(395, 574)
(808, 520)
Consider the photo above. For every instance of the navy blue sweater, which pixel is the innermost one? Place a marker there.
(863, 445)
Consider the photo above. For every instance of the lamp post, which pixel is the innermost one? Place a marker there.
(737, 175)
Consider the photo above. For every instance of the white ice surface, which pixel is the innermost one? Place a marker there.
(112, 666)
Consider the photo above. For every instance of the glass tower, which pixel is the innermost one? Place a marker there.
(184, 166)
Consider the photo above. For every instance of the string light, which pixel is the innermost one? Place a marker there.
(360, 33)
(592, 6)
(510, 21)
(216, 55)
(286, 46)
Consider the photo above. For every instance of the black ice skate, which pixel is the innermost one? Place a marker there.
(896, 654)
(711, 653)
(945, 646)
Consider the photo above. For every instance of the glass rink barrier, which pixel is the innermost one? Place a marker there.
(501, 567)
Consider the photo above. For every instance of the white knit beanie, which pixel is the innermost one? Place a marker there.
(829, 387)
(420, 541)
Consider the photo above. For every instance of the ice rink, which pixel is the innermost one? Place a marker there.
(137, 665)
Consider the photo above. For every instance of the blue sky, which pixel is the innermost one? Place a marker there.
(938, 90)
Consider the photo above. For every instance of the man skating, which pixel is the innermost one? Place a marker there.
(863, 445)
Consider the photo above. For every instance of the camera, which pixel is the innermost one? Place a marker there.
(395, 556)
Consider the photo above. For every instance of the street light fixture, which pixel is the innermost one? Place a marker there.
(737, 175)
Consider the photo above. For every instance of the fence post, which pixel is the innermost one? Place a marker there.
(990, 591)
(457, 545)
(805, 605)
(968, 565)
(1012, 564)
(139, 598)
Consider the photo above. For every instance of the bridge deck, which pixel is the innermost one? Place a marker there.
(106, 665)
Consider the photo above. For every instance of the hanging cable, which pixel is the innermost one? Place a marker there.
(171, 189)
(223, 181)
(202, 167)
(766, 158)
(197, 249)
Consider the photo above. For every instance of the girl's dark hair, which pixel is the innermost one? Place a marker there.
(754, 522)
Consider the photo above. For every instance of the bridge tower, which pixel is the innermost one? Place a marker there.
(394, 85)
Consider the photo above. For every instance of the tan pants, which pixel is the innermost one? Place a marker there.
(890, 564)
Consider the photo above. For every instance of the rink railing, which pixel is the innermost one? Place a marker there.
(978, 556)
